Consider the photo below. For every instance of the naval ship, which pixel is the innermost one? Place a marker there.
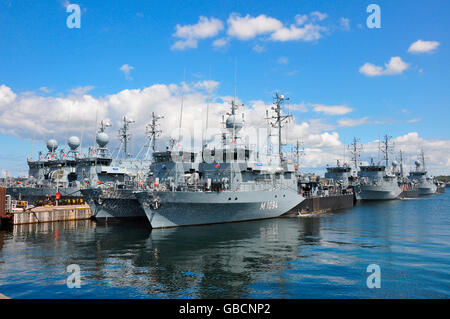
(340, 174)
(67, 174)
(409, 186)
(345, 175)
(426, 184)
(376, 181)
(218, 185)
(117, 200)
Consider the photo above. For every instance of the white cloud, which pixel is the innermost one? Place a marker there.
(301, 19)
(27, 115)
(126, 69)
(207, 85)
(65, 3)
(301, 107)
(7, 96)
(248, 27)
(353, 122)
(309, 32)
(221, 42)
(318, 15)
(81, 90)
(324, 140)
(332, 109)
(258, 48)
(283, 60)
(395, 66)
(421, 46)
(245, 28)
(190, 34)
(344, 23)
(45, 89)
(437, 154)
(415, 120)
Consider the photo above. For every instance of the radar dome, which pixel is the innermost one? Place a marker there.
(102, 139)
(234, 121)
(73, 142)
(52, 145)
(417, 163)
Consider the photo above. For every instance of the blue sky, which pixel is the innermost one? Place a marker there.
(41, 57)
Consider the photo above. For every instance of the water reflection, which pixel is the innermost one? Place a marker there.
(204, 261)
(317, 256)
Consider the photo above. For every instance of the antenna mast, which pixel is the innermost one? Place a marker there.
(124, 134)
(207, 112)
(355, 150)
(299, 153)
(422, 156)
(401, 163)
(181, 107)
(385, 148)
(279, 119)
(153, 132)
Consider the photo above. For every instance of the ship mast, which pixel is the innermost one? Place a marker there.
(355, 150)
(299, 153)
(125, 135)
(279, 119)
(152, 132)
(401, 163)
(385, 148)
(422, 157)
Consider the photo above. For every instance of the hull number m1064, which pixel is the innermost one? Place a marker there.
(269, 205)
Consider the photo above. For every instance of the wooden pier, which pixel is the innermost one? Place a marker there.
(47, 214)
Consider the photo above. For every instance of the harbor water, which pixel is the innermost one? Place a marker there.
(318, 256)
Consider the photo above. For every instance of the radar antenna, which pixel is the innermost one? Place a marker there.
(125, 136)
(299, 152)
(355, 150)
(279, 119)
(153, 132)
(385, 148)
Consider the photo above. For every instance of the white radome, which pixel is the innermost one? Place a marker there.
(73, 142)
(234, 121)
(102, 139)
(52, 145)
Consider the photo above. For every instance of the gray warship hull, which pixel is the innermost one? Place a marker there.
(410, 193)
(33, 194)
(374, 192)
(174, 209)
(427, 190)
(113, 204)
